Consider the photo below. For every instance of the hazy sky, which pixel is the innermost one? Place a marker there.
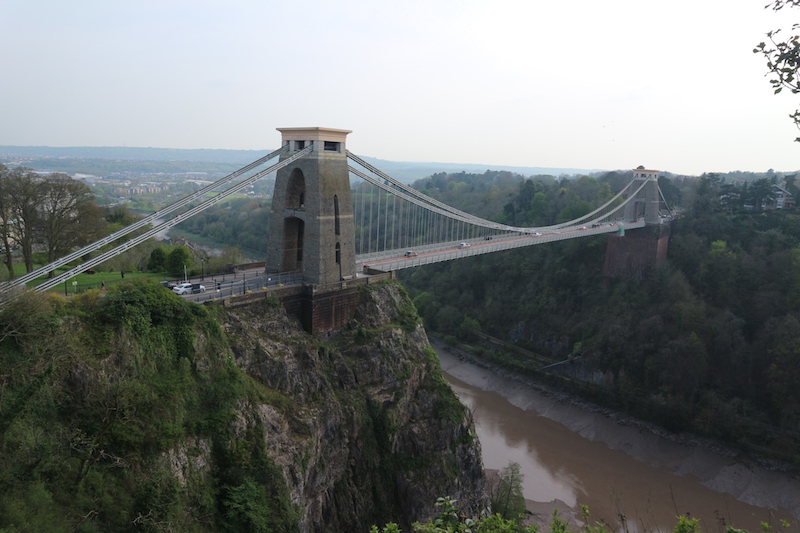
(669, 84)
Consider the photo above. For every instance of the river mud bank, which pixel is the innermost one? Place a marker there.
(625, 470)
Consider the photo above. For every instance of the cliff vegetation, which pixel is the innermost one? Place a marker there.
(134, 410)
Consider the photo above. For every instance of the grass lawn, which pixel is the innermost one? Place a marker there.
(85, 281)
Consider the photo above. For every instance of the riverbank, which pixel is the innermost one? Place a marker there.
(722, 470)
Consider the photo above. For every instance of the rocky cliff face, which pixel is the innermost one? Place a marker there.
(138, 411)
(373, 433)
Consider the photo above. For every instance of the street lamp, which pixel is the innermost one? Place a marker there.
(203, 267)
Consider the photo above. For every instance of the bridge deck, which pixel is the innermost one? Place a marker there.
(396, 259)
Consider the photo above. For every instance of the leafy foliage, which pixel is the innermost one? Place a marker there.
(241, 222)
(95, 392)
(53, 211)
(783, 57)
(450, 520)
(505, 494)
(158, 260)
(178, 261)
(126, 410)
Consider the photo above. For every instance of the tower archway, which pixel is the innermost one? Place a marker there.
(296, 190)
(293, 236)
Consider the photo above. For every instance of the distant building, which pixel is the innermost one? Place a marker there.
(782, 199)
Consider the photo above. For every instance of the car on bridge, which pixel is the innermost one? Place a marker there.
(411, 253)
(464, 245)
(188, 288)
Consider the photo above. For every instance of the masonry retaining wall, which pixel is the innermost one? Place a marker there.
(636, 252)
(319, 308)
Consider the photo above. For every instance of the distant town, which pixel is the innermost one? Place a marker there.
(144, 179)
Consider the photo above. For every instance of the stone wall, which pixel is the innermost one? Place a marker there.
(637, 251)
(319, 308)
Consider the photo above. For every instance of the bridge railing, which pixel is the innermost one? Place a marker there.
(226, 288)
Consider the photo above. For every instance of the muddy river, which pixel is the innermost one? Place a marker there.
(572, 456)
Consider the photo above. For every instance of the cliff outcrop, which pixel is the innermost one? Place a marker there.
(139, 411)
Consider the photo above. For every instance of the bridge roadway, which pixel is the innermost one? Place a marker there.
(433, 253)
(224, 286)
(229, 285)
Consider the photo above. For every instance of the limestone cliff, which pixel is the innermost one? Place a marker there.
(137, 411)
(374, 432)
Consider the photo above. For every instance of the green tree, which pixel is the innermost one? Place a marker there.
(539, 209)
(505, 493)
(120, 216)
(719, 248)
(158, 260)
(760, 193)
(246, 507)
(783, 57)
(706, 193)
(448, 318)
(6, 240)
(575, 209)
(469, 329)
(20, 190)
(179, 260)
(55, 212)
(67, 215)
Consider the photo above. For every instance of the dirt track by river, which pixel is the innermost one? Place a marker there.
(619, 465)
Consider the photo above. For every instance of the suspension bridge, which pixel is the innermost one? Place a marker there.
(421, 230)
(335, 218)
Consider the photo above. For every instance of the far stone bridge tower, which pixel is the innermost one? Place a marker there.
(311, 226)
(630, 254)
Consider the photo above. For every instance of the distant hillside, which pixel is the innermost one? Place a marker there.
(408, 171)
(135, 154)
(54, 159)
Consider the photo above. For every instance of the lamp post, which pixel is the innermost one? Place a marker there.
(203, 267)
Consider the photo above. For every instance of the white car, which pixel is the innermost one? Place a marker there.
(188, 288)
(464, 245)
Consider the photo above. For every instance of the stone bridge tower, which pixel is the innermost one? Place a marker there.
(646, 203)
(311, 225)
(632, 253)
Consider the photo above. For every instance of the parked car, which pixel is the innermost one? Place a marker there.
(188, 288)
(464, 245)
